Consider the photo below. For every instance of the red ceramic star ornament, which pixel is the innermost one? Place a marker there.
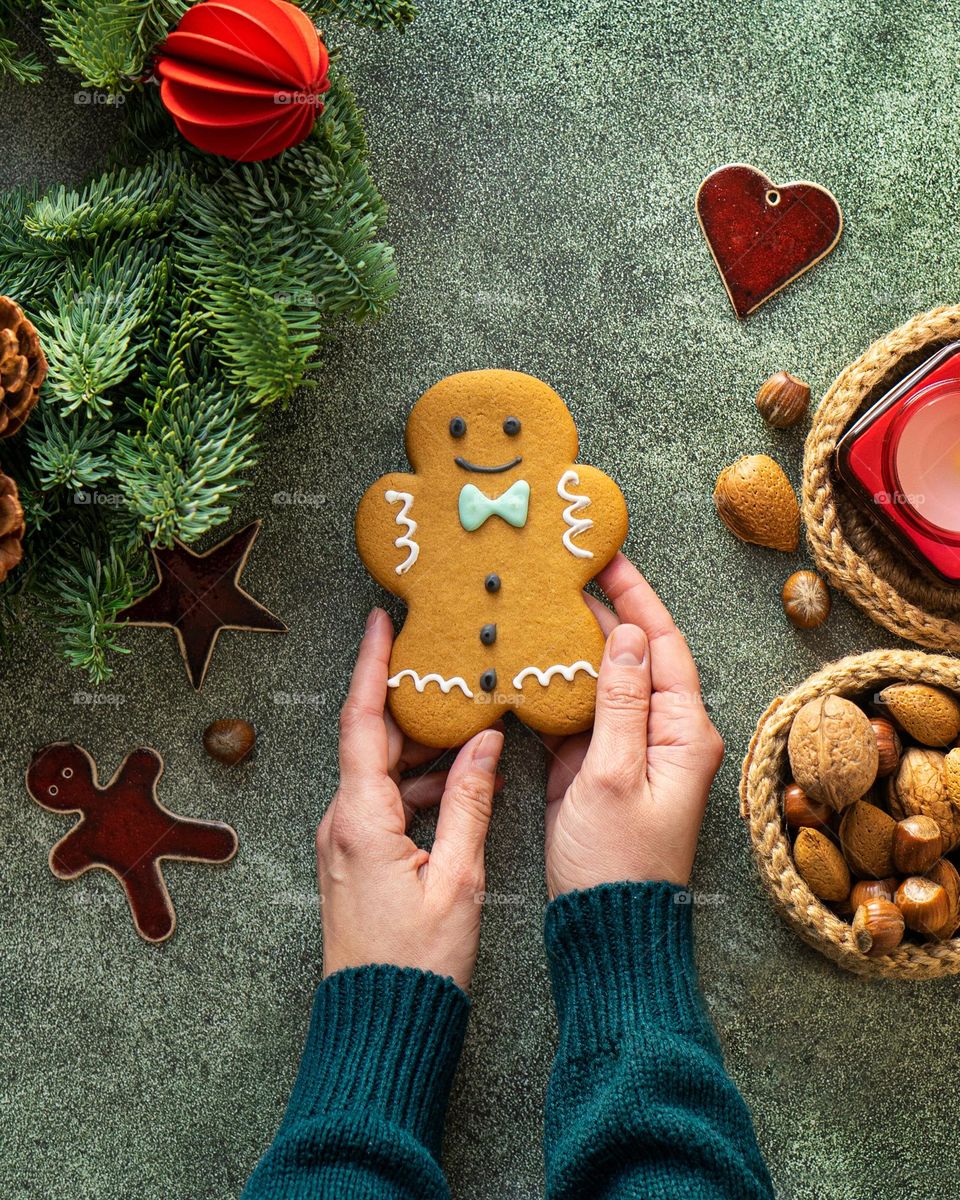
(243, 78)
(763, 235)
(199, 594)
(123, 828)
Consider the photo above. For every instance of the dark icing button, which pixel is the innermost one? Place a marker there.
(488, 634)
(488, 680)
(492, 583)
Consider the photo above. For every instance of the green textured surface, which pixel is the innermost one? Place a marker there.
(541, 163)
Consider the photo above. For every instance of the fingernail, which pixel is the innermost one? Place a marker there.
(486, 753)
(372, 618)
(628, 646)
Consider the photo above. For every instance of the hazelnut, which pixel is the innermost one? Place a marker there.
(866, 835)
(889, 746)
(800, 810)
(928, 714)
(872, 889)
(783, 399)
(821, 866)
(919, 786)
(833, 751)
(806, 600)
(945, 873)
(878, 927)
(755, 501)
(916, 844)
(924, 904)
(229, 741)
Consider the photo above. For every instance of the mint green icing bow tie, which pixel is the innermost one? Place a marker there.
(475, 507)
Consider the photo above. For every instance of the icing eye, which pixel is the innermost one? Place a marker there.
(53, 789)
(458, 427)
(511, 426)
(67, 772)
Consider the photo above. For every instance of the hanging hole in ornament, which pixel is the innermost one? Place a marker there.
(773, 197)
(53, 789)
(67, 772)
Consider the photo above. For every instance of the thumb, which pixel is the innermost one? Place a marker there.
(466, 808)
(618, 748)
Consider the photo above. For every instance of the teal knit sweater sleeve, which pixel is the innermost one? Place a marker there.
(639, 1104)
(365, 1119)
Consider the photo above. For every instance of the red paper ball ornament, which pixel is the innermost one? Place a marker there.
(243, 78)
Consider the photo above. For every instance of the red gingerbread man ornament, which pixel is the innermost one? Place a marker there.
(123, 828)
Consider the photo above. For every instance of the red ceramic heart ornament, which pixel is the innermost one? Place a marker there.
(763, 235)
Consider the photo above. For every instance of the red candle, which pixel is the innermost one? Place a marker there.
(901, 460)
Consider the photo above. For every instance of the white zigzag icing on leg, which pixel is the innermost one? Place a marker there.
(544, 677)
(421, 681)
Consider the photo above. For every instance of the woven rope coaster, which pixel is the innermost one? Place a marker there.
(849, 549)
(766, 771)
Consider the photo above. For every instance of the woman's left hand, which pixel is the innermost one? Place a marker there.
(384, 899)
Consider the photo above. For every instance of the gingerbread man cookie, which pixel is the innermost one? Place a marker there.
(490, 542)
(123, 828)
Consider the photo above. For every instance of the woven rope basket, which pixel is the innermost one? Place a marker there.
(849, 549)
(766, 771)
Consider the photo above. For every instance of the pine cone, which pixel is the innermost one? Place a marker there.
(11, 526)
(23, 367)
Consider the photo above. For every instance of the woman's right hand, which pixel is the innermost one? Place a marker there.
(625, 801)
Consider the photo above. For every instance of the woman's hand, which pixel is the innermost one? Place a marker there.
(625, 801)
(384, 899)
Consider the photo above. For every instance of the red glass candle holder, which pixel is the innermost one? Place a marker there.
(901, 462)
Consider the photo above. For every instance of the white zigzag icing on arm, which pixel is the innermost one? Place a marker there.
(405, 540)
(544, 677)
(421, 681)
(577, 524)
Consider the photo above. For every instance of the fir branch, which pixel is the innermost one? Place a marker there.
(28, 269)
(23, 68)
(179, 468)
(276, 249)
(69, 453)
(109, 42)
(20, 66)
(87, 332)
(83, 594)
(380, 14)
(120, 200)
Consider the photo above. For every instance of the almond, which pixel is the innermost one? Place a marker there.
(756, 502)
(833, 751)
(867, 835)
(821, 866)
(928, 714)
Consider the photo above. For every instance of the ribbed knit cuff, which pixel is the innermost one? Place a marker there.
(621, 959)
(383, 1040)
